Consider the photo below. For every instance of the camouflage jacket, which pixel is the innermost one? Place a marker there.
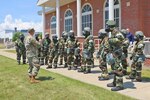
(32, 46)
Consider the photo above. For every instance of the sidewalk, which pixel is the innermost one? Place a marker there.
(137, 90)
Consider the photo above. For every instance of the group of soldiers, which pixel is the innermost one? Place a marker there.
(113, 51)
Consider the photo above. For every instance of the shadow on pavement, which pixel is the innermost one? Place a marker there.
(129, 85)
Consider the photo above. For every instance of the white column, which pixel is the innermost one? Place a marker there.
(58, 18)
(79, 27)
(43, 22)
(111, 9)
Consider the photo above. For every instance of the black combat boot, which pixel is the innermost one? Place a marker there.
(111, 84)
(117, 88)
(69, 67)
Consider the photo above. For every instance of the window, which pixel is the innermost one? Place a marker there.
(116, 12)
(86, 16)
(53, 25)
(68, 20)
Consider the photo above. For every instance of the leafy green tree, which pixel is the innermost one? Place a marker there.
(16, 36)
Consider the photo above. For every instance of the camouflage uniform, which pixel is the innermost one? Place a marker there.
(115, 45)
(87, 54)
(61, 49)
(125, 51)
(138, 57)
(71, 45)
(53, 58)
(32, 54)
(77, 60)
(45, 49)
(20, 49)
(102, 53)
(65, 37)
(39, 52)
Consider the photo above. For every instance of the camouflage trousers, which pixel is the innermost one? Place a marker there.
(23, 55)
(136, 69)
(77, 61)
(70, 60)
(34, 66)
(86, 65)
(44, 57)
(53, 58)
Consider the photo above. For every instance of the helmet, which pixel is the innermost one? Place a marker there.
(54, 37)
(120, 36)
(102, 33)
(65, 35)
(71, 34)
(86, 32)
(46, 35)
(109, 25)
(21, 37)
(37, 37)
(139, 35)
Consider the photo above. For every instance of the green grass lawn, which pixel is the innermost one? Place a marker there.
(11, 51)
(14, 85)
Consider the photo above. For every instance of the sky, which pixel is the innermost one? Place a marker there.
(19, 13)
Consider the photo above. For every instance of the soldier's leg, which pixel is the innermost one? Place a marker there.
(104, 75)
(138, 71)
(36, 68)
(46, 59)
(125, 65)
(133, 71)
(61, 59)
(119, 83)
(42, 55)
(30, 68)
(83, 65)
(65, 60)
(113, 84)
(69, 61)
(88, 66)
(55, 60)
(50, 60)
(24, 58)
(18, 58)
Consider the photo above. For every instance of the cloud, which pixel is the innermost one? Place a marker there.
(10, 23)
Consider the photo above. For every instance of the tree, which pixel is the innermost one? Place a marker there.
(16, 36)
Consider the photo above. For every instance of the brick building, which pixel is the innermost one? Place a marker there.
(76, 14)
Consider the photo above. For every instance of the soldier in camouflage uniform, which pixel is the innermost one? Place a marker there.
(39, 39)
(45, 49)
(87, 54)
(77, 60)
(32, 47)
(71, 45)
(53, 58)
(102, 53)
(65, 38)
(61, 49)
(125, 51)
(115, 45)
(138, 58)
(20, 49)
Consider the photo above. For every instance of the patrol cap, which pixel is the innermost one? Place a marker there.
(31, 30)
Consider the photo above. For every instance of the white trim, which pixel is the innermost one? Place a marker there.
(70, 17)
(86, 13)
(52, 23)
(79, 18)
(107, 8)
(43, 22)
(58, 18)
